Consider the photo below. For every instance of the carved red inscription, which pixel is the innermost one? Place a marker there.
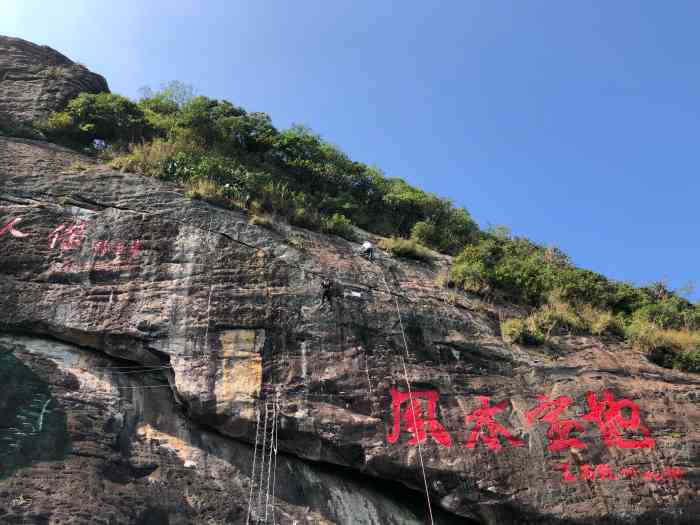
(68, 236)
(608, 414)
(558, 433)
(486, 428)
(408, 408)
(603, 471)
(10, 227)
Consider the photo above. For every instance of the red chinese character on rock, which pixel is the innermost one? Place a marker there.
(483, 420)
(559, 430)
(118, 248)
(68, 236)
(673, 472)
(629, 472)
(9, 226)
(134, 248)
(607, 414)
(566, 474)
(413, 419)
(100, 247)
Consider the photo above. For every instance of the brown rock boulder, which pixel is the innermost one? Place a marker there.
(36, 80)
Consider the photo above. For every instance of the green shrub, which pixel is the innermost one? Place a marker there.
(149, 158)
(405, 249)
(669, 312)
(555, 319)
(688, 361)
(601, 322)
(516, 268)
(207, 190)
(519, 331)
(338, 224)
(105, 116)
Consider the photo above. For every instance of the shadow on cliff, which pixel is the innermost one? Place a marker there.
(32, 424)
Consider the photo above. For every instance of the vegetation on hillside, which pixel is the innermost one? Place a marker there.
(222, 153)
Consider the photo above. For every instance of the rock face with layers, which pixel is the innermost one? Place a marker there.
(36, 80)
(223, 319)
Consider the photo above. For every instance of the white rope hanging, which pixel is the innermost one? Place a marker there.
(410, 398)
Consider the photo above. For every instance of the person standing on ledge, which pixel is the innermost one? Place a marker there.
(368, 250)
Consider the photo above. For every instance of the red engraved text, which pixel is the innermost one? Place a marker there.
(67, 236)
(416, 420)
(607, 413)
(10, 227)
(559, 430)
(604, 472)
(486, 428)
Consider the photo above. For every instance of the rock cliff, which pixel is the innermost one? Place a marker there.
(35, 80)
(153, 347)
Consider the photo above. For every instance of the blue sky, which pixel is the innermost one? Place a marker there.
(575, 124)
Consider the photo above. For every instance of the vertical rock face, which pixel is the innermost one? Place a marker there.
(181, 326)
(35, 80)
(228, 316)
(111, 446)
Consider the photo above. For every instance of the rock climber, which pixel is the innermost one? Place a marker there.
(327, 286)
(368, 250)
(247, 201)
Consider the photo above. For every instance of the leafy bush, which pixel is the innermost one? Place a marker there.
(601, 322)
(92, 116)
(405, 249)
(516, 268)
(149, 158)
(207, 190)
(338, 224)
(519, 331)
(669, 312)
(667, 347)
(688, 361)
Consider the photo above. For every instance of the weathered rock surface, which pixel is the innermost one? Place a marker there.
(35, 80)
(126, 265)
(126, 271)
(96, 441)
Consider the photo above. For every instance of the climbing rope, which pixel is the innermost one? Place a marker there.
(274, 470)
(410, 399)
(252, 472)
(269, 461)
(262, 466)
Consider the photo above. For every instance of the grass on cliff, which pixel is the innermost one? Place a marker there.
(222, 153)
(405, 249)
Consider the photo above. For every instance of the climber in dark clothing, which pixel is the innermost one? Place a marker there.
(368, 250)
(247, 202)
(327, 286)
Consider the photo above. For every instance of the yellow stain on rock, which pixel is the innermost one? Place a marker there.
(184, 451)
(239, 372)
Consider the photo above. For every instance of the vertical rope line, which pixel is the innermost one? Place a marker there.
(274, 470)
(262, 467)
(410, 400)
(369, 383)
(269, 461)
(252, 474)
